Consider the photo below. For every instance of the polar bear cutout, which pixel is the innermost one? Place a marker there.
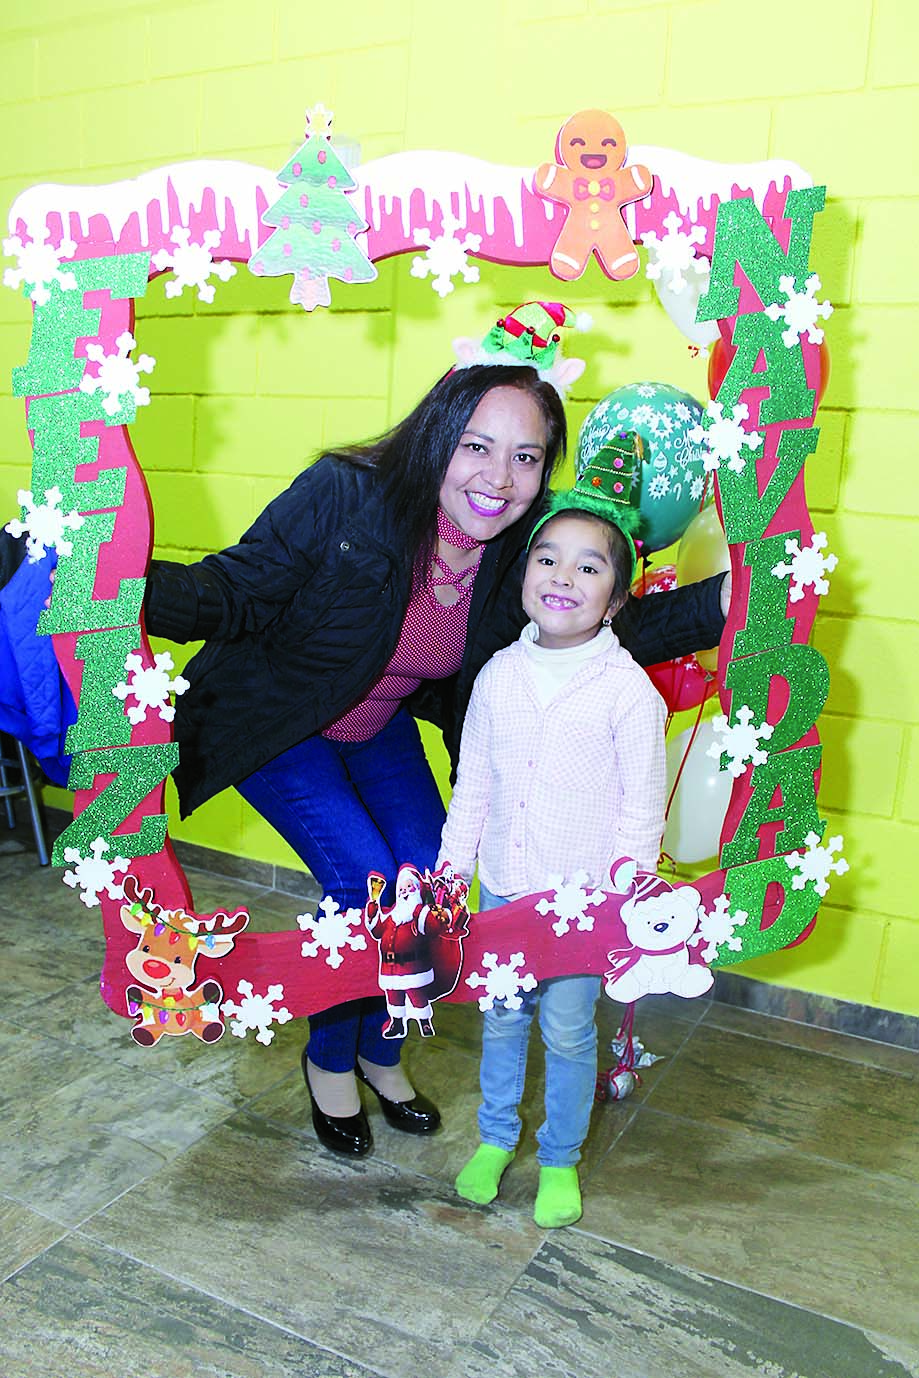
(659, 920)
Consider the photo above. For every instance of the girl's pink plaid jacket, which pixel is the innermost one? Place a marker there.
(543, 792)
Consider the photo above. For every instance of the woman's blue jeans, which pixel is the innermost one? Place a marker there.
(569, 1034)
(348, 808)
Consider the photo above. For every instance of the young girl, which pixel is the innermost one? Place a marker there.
(561, 770)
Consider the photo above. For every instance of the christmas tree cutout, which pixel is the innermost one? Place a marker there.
(315, 224)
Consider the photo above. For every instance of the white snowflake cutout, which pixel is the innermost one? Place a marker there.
(716, 928)
(118, 375)
(570, 902)
(151, 686)
(724, 437)
(817, 863)
(671, 258)
(807, 568)
(45, 523)
(502, 981)
(446, 256)
(800, 311)
(256, 1012)
(94, 873)
(740, 742)
(331, 929)
(193, 264)
(39, 266)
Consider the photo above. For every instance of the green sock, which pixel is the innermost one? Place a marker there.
(478, 1181)
(558, 1200)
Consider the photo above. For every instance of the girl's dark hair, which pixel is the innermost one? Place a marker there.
(620, 552)
(412, 458)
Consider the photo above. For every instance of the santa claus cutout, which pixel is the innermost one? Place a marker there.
(421, 943)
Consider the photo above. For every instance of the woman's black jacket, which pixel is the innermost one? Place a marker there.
(302, 616)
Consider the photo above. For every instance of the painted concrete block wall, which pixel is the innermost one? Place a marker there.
(248, 389)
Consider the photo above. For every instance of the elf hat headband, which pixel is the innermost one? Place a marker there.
(529, 335)
(604, 489)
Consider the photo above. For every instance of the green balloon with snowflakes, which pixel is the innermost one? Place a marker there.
(672, 477)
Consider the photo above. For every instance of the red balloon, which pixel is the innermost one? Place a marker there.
(654, 580)
(719, 361)
(682, 683)
(721, 354)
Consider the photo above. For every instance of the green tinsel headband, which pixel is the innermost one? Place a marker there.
(604, 490)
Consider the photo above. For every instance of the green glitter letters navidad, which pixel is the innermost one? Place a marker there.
(100, 737)
(783, 790)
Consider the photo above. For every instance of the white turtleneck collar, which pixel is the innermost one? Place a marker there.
(552, 669)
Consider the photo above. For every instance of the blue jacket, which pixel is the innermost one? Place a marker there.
(36, 705)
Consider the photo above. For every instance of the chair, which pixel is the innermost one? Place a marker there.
(17, 777)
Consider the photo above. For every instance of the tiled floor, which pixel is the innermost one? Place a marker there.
(752, 1210)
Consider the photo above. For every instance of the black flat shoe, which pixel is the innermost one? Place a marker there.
(415, 1116)
(342, 1134)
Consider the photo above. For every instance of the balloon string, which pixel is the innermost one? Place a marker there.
(626, 1061)
(626, 1031)
(692, 737)
(708, 479)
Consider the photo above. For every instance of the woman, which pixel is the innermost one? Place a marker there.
(374, 589)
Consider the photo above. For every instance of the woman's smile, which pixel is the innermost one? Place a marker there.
(484, 505)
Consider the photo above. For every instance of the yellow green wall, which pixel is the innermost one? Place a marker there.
(246, 389)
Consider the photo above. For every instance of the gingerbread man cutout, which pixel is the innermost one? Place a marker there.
(594, 186)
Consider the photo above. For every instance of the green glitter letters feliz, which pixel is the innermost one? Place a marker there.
(75, 430)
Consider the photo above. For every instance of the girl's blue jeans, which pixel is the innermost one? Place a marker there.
(569, 1034)
(347, 808)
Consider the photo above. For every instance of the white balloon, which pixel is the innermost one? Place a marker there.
(701, 800)
(681, 308)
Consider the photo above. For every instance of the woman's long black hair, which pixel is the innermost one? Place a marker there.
(412, 458)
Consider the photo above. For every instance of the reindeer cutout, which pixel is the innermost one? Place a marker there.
(169, 943)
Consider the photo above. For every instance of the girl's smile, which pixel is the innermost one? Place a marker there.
(570, 583)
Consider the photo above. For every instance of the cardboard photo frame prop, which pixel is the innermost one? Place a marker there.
(85, 254)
